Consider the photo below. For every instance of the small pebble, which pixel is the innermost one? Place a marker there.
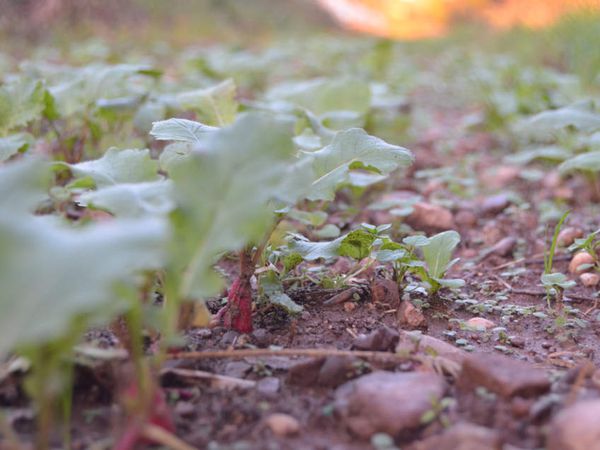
(579, 260)
(480, 324)
(349, 306)
(568, 235)
(268, 387)
(282, 424)
(590, 279)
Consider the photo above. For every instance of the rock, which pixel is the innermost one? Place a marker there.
(282, 425)
(305, 373)
(385, 291)
(337, 370)
(576, 427)
(261, 338)
(480, 324)
(383, 339)
(590, 279)
(502, 375)
(386, 402)
(410, 317)
(578, 260)
(495, 204)
(349, 306)
(229, 337)
(426, 216)
(465, 218)
(504, 247)
(412, 342)
(462, 436)
(268, 387)
(568, 235)
(237, 369)
(330, 372)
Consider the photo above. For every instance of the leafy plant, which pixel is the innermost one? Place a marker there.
(437, 254)
(244, 170)
(555, 282)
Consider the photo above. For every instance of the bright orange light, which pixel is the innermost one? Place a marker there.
(413, 19)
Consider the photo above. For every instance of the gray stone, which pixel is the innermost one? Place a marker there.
(462, 436)
(576, 427)
(237, 369)
(268, 387)
(386, 402)
(502, 375)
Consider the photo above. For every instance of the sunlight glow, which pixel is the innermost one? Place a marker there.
(413, 19)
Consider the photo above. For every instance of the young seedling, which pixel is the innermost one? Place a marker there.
(555, 282)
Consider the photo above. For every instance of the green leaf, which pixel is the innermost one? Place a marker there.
(352, 149)
(291, 261)
(438, 252)
(174, 154)
(179, 130)
(216, 105)
(51, 274)
(557, 279)
(20, 103)
(81, 88)
(580, 116)
(552, 153)
(311, 251)
(132, 199)
(272, 290)
(357, 244)
(13, 144)
(454, 283)
(24, 185)
(223, 193)
(323, 95)
(589, 162)
(117, 166)
(312, 218)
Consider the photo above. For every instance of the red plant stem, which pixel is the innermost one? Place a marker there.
(239, 300)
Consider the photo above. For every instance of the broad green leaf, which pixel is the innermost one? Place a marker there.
(20, 103)
(81, 88)
(179, 130)
(416, 241)
(174, 154)
(586, 161)
(117, 166)
(216, 105)
(272, 290)
(552, 153)
(132, 199)
(357, 244)
(13, 144)
(223, 193)
(557, 279)
(147, 114)
(24, 184)
(438, 252)
(352, 149)
(312, 218)
(311, 251)
(51, 274)
(323, 95)
(454, 283)
(580, 116)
